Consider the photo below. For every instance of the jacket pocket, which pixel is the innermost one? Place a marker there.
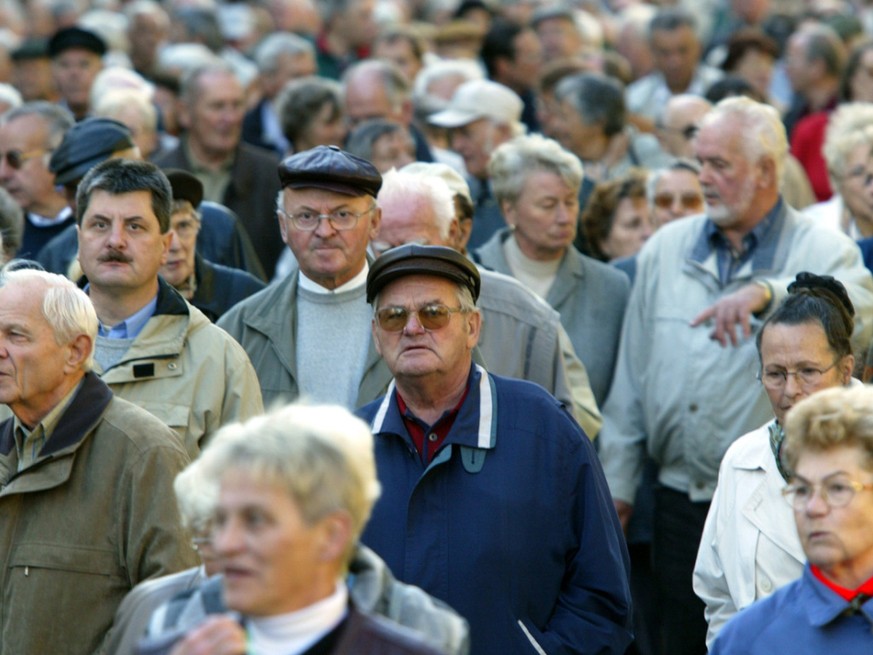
(64, 595)
(531, 639)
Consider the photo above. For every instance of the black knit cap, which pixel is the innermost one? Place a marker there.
(85, 145)
(68, 38)
(328, 167)
(414, 259)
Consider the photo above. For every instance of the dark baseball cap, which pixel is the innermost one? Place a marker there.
(185, 186)
(329, 167)
(85, 145)
(415, 259)
(68, 38)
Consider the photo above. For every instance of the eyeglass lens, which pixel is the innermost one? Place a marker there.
(431, 317)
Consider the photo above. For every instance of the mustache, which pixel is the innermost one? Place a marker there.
(114, 256)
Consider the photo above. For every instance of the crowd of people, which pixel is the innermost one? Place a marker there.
(436, 326)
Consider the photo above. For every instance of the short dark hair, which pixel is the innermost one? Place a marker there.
(117, 176)
(498, 44)
(300, 100)
(597, 98)
(669, 19)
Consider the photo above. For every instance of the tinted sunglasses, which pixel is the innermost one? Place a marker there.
(432, 316)
(15, 159)
(688, 200)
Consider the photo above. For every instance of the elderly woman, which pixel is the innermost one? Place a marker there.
(292, 492)
(310, 111)
(829, 451)
(616, 220)
(749, 546)
(536, 183)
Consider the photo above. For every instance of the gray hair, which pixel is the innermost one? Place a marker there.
(845, 131)
(362, 139)
(10, 96)
(111, 104)
(300, 100)
(396, 85)
(269, 51)
(763, 133)
(65, 307)
(596, 98)
(514, 160)
(669, 19)
(117, 176)
(57, 118)
(407, 188)
(196, 495)
(321, 455)
(657, 174)
(822, 43)
(185, 57)
(190, 87)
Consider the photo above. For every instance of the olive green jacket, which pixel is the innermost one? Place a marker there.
(91, 518)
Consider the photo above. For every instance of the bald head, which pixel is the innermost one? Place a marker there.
(679, 122)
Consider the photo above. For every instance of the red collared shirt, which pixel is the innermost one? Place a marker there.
(436, 433)
(846, 594)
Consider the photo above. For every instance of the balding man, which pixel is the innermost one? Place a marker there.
(677, 126)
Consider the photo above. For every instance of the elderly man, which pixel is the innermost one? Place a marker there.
(378, 89)
(211, 288)
(280, 57)
(327, 214)
(829, 451)
(678, 123)
(153, 348)
(77, 58)
(481, 116)
(705, 282)
(235, 174)
(86, 477)
(29, 134)
(521, 336)
(493, 498)
(676, 54)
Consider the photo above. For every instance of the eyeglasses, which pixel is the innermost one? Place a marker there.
(688, 132)
(834, 492)
(186, 228)
(432, 316)
(15, 159)
(340, 219)
(688, 200)
(808, 376)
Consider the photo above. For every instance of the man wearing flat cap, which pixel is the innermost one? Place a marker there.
(307, 335)
(77, 58)
(493, 498)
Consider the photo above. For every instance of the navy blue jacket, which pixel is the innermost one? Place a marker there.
(512, 524)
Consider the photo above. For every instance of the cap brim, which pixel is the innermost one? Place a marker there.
(453, 118)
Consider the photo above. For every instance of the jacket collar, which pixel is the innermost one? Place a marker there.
(823, 606)
(77, 422)
(475, 426)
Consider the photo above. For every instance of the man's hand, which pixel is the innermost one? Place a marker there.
(732, 311)
(624, 511)
(217, 635)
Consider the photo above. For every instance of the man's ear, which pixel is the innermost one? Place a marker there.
(78, 351)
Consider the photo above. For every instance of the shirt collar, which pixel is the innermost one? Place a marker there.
(760, 243)
(311, 285)
(130, 327)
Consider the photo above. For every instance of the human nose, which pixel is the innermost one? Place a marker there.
(324, 227)
(816, 504)
(413, 325)
(793, 388)
(175, 242)
(227, 538)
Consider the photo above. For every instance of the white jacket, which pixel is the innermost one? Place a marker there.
(749, 546)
